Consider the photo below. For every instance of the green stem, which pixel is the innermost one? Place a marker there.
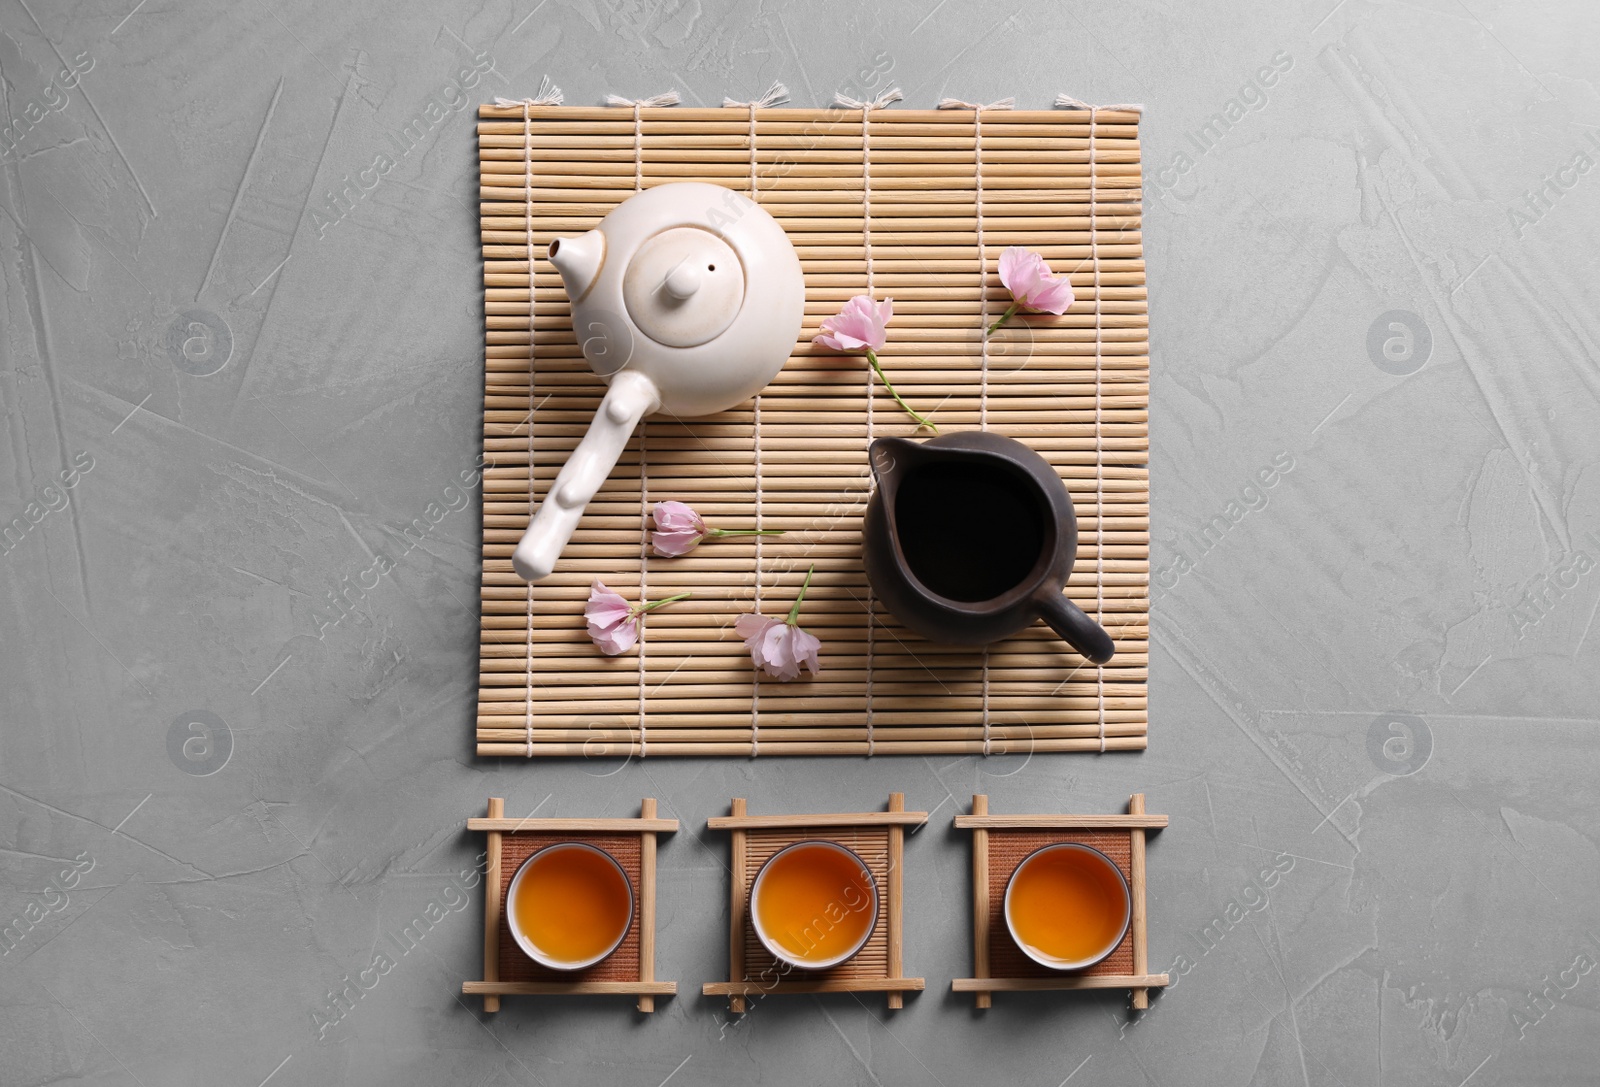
(746, 531)
(922, 420)
(1006, 316)
(640, 609)
(794, 612)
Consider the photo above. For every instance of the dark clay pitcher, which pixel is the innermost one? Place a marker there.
(970, 537)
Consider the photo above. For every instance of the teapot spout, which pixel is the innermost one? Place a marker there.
(578, 260)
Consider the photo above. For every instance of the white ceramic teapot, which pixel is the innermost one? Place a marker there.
(686, 299)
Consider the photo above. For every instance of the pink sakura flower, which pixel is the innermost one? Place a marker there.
(779, 647)
(613, 622)
(1032, 285)
(679, 530)
(862, 325)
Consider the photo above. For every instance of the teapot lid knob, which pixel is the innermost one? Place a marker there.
(684, 287)
(683, 280)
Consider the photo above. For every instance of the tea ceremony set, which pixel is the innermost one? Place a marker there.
(716, 543)
(813, 432)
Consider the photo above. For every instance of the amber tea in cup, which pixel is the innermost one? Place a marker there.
(569, 906)
(1067, 906)
(813, 904)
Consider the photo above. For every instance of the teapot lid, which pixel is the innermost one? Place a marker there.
(683, 287)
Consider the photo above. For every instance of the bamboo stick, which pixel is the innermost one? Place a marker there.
(491, 906)
(1124, 189)
(888, 283)
(598, 743)
(779, 164)
(647, 904)
(801, 122)
(961, 725)
(980, 899)
(737, 903)
(737, 702)
(1117, 218)
(738, 990)
(555, 295)
(1140, 919)
(1114, 175)
(565, 142)
(1064, 981)
(801, 118)
(498, 824)
(566, 988)
(893, 817)
(742, 749)
(1062, 822)
(896, 916)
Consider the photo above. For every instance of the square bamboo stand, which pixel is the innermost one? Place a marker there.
(631, 969)
(879, 838)
(991, 869)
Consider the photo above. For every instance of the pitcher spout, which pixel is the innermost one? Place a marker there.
(890, 458)
(579, 260)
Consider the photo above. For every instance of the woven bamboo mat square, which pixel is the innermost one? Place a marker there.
(622, 964)
(913, 205)
(1007, 849)
(871, 844)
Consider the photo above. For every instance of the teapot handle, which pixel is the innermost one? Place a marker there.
(630, 398)
(1068, 620)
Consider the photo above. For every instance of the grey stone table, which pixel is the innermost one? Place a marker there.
(235, 360)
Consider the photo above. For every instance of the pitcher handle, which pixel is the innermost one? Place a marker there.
(630, 398)
(1081, 632)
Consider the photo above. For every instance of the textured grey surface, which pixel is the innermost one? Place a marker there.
(1376, 674)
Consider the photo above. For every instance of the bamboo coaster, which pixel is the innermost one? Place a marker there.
(631, 968)
(999, 844)
(916, 205)
(878, 838)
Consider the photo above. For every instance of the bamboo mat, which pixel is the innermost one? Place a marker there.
(871, 844)
(1009, 848)
(913, 205)
(622, 964)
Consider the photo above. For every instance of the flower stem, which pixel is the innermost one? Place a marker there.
(1006, 316)
(794, 612)
(922, 420)
(745, 531)
(640, 609)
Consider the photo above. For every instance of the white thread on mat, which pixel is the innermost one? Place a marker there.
(770, 97)
(1099, 443)
(1066, 101)
(983, 312)
(775, 94)
(755, 677)
(667, 98)
(957, 103)
(892, 95)
(644, 564)
(845, 101)
(1069, 102)
(527, 195)
(548, 94)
